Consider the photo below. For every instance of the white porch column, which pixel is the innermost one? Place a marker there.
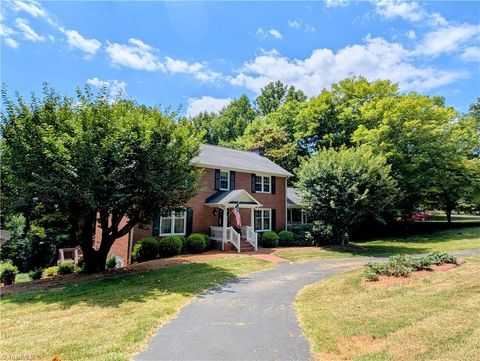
(224, 227)
(252, 218)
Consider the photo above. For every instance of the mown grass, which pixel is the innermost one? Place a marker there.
(436, 318)
(447, 240)
(107, 319)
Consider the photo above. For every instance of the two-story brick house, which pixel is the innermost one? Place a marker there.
(230, 178)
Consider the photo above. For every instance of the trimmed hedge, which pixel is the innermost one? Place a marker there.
(285, 239)
(269, 239)
(196, 243)
(50, 271)
(145, 250)
(302, 234)
(8, 272)
(170, 246)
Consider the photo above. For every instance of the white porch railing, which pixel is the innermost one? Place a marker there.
(232, 236)
(74, 255)
(250, 235)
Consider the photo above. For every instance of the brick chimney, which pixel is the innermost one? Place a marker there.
(258, 150)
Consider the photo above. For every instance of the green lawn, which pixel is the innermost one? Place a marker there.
(436, 318)
(107, 319)
(448, 240)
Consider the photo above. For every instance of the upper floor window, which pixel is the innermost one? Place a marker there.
(262, 184)
(224, 180)
(174, 222)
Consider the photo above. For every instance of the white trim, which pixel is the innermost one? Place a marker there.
(263, 218)
(172, 225)
(231, 197)
(241, 170)
(220, 180)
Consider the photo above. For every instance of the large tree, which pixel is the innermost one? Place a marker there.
(415, 134)
(275, 94)
(340, 188)
(94, 159)
(331, 118)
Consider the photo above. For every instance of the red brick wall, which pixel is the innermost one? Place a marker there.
(204, 217)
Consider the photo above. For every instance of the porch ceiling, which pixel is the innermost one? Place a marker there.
(230, 199)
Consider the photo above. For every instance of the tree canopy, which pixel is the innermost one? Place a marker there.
(95, 159)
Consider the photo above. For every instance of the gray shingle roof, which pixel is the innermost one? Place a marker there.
(292, 197)
(212, 156)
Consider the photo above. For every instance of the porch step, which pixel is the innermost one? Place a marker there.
(246, 246)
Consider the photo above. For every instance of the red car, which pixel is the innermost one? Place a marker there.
(420, 216)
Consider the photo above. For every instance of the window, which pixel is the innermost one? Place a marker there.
(224, 180)
(263, 220)
(262, 184)
(173, 223)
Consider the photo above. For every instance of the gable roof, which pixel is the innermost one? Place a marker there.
(212, 156)
(240, 196)
(293, 198)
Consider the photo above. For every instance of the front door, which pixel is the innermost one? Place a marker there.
(220, 218)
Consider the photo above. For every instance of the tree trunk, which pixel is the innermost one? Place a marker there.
(95, 261)
(449, 215)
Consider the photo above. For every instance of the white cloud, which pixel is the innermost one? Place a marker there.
(447, 39)
(471, 54)
(265, 34)
(407, 10)
(11, 43)
(27, 32)
(115, 87)
(76, 40)
(375, 59)
(411, 34)
(136, 55)
(336, 3)
(206, 104)
(198, 70)
(296, 24)
(310, 29)
(33, 8)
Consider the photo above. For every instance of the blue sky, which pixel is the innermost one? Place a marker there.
(200, 55)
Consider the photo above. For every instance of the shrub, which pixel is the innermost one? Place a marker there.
(111, 262)
(145, 250)
(302, 234)
(36, 274)
(196, 243)
(285, 239)
(50, 271)
(371, 275)
(399, 265)
(66, 268)
(269, 239)
(170, 246)
(438, 258)
(208, 242)
(421, 263)
(8, 272)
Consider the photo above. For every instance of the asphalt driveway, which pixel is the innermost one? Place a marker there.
(250, 318)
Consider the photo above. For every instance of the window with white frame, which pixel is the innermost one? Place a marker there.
(263, 220)
(224, 180)
(262, 184)
(174, 222)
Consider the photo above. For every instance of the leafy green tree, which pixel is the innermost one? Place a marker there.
(203, 123)
(343, 187)
(415, 134)
(233, 120)
(97, 160)
(331, 118)
(274, 95)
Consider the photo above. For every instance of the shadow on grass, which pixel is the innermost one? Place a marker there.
(186, 279)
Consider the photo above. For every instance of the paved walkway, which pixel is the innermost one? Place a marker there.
(250, 318)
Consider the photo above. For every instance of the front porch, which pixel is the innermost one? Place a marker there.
(243, 238)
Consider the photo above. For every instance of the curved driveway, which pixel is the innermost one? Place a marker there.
(250, 318)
